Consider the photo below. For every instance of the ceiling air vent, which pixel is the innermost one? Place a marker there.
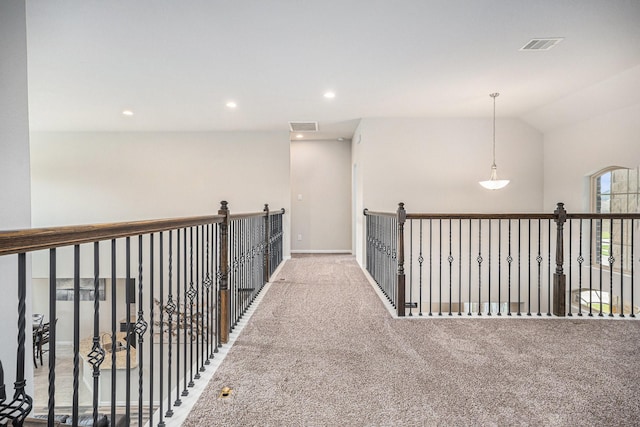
(303, 126)
(541, 44)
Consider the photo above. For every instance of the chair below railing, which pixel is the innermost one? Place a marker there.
(160, 299)
(505, 264)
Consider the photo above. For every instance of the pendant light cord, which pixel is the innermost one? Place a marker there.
(494, 95)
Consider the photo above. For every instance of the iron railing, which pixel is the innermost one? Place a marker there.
(173, 289)
(505, 264)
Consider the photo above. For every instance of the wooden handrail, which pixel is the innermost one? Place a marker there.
(27, 240)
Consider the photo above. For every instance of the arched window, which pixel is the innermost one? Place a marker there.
(614, 190)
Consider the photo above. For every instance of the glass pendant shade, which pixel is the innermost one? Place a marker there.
(493, 183)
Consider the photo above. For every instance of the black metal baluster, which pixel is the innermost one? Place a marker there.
(570, 255)
(499, 267)
(440, 268)
(489, 265)
(430, 267)
(479, 260)
(460, 267)
(612, 261)
(580, 261)
(96, 356)
(216, 294)
(600, 261)
(114, 326)
(207, 284)
(549, 267)
(621, 269)
(181, 315)
(519, 267)
(52, 333)
(129, 330)
(590, 267)
(420, 262)
(161, 309)
(197, 298)
(76, 332)
(450, 259)
(539, 260)
(632, 262)
(141, 328)
(191, 293)
(470, 266)
(151, 319)
(410, 268)
(170, 308)
(529, 269)
(509, 261)
(22, 403)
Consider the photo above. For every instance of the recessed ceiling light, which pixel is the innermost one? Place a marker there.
(127, 113)
(231, 104)
(299, 136)
(329, 95)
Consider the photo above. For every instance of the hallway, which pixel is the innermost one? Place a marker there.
(321, 349)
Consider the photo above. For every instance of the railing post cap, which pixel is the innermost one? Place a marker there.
(364, 211)
(266, 207)
(401, 205)
(224, 204)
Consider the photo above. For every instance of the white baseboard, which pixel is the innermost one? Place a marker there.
(322, 251)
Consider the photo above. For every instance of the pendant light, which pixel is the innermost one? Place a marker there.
(494, 183)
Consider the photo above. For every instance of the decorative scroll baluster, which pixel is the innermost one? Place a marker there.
(580, 261)
(197, 298)
(170, 308)
(549, 268)
(207, 284)
(140, 328)
(632, 275)
(96, 356)
(224, 274)
(129, 330)
(411, 268)
(191, 294)
(450, 259)
(612, 261)
(151, 319)
(440, 268)
(539, 261)
(479, 260)
(509, 261)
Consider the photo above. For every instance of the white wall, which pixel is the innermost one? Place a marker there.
(573, 153)
(14, 178)
(321, 196)
(102, 177)
(434, 165)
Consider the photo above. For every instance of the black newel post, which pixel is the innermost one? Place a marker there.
(559, 278)
(402, 217)
(223, 318)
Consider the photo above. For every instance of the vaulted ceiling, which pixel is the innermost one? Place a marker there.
(176, 64)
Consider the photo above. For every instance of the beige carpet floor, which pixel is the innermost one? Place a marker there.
(321, 350)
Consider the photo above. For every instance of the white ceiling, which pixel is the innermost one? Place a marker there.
(177, 63)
